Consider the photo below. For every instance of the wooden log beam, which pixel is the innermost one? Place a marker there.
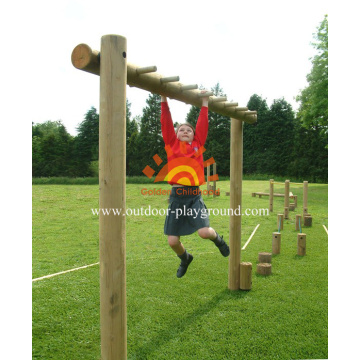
(86, 59)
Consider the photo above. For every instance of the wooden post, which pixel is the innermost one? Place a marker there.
(276, 243)
(208, 179)
(297, 222)
(214, 183)
(295, 200)
(245, 275)
(301, 244)
(112, 182)
(271, 196)
(280, 221)
(286, 199)
(308, 220)
(236, 168)
(305, 198)
(264, 257)
(263, 269)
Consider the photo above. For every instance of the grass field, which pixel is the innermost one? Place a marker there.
(284, 316)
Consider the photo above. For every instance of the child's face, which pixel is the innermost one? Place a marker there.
(185, 133)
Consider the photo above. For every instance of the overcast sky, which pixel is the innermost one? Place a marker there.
(249, 47)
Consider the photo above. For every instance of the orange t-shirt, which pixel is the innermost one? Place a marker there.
(185, 160)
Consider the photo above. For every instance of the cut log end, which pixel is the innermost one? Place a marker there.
(264, 257)
(263, 269)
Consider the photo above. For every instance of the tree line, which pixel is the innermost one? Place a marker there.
(281, 143)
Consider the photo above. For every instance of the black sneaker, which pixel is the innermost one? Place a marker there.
(183, 266)
(223, 247)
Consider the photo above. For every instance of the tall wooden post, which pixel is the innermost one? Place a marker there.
(208, 180)
(305, 198)
(236, 169)
(214, 181)
(112, 182)
(287, 199)
(271, 196)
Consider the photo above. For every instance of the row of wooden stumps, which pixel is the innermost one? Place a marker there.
(263, 266)
(287, 195)
(301, 238)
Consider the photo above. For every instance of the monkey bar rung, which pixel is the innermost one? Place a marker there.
(188, 87)
(146, 70)
(218, 99)
(169, 79)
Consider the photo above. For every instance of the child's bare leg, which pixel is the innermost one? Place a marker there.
(175, 244)
(185, 257)
(211, 234)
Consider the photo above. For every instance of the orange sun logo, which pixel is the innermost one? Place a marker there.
(184, 171)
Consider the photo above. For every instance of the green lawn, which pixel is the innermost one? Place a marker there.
(284, 316)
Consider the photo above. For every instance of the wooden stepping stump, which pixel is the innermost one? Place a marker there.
(264, 257)
(245, 275)
(263, 269)
(276, 242)
(301, 244)
(307, 220)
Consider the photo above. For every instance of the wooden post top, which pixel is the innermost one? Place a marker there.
(86, 59)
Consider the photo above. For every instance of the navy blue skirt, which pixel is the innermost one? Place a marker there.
(186, 212)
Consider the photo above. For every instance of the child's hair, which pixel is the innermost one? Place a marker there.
(180, 125)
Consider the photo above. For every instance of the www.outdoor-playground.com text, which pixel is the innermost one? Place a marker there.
(149, 211)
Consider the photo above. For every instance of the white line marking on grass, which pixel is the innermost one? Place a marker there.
(64, 272)
(326, 229)
(243, 248)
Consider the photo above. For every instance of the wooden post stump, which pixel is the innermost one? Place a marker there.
(263, 269)
(280, 221)
(228, 193)
(271, 196)
(208, 180)
(276, 242)
(286, 212)
(295, 200)
(297, 222)
(292, 206)
(301, 244)
(305, 198)
(264, 257)
(307, 220)
(214, 181)
(245, 275)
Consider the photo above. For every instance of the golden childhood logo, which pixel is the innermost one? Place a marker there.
(183, 170)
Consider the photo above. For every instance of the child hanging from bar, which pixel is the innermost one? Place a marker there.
(187, 211)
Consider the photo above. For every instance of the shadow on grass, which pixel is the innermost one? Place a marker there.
(179, 325)
(298, 257)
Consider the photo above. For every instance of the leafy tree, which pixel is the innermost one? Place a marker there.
(87, 140)
(313, 110)
(254, 135)
(52, 149)
(149, 141)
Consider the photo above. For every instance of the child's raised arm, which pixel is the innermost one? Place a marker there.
(202, 124)
(167, 126)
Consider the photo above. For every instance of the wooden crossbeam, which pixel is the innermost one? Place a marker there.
(86, 59)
